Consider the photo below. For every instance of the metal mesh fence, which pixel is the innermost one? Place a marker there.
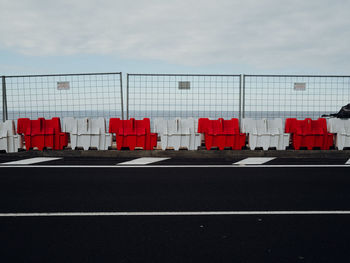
(174, 95)
(288, 96)
(66, 95)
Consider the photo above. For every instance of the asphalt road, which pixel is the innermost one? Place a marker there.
(178, 160)
(175, 238)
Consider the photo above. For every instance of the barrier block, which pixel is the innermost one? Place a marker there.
(265, 134)
(178, 133)
(133, 133)
(309, 133)
(87, 133)
(68, 124)
(341, 129)
(99, 136)
(42, 133)
(9, 140)
(221, 133)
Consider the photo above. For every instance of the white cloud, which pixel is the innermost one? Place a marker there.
(264, 34)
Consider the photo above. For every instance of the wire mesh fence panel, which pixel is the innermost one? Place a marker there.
(69, 95)
(173, 95)
(291, 96)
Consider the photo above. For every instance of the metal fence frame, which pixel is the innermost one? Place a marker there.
(4, 87)
(184, 75)
(301, 77)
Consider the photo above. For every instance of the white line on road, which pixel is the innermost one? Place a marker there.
(254, 160)
(182, 166)
(33, 160)
(348, 162)
(195, 213)
(143, 161)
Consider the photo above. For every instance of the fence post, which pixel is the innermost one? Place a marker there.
(121, 94)
(127, 96)
(240, 99)
(4, 100)
(243, 97)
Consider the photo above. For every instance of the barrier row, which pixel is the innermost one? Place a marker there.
(178, 133)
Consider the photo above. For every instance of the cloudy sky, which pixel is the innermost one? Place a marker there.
(183, 36)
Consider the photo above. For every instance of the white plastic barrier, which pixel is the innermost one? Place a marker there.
(265, 134)
(341, 129)
(9, 140)
(178, 133)
(87, 132)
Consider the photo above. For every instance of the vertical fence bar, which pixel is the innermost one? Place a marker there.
(127, 96)
(240, 99)
(4, 100)
(121, 95)
(243, 97)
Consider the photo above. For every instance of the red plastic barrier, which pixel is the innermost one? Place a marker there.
(42, 133)
(221, 133)
(309, 133)
(133, 133)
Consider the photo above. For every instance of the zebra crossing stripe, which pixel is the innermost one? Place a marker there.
(143, 161)
(254, 160)
(33, 160)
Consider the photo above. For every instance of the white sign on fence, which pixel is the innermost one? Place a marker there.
(184, 84)
(300, 86)
(63, 85)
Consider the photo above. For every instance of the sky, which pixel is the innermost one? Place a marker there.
(183, 36)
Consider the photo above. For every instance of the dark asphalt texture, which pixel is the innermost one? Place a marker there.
(268, 238)
(179, 161)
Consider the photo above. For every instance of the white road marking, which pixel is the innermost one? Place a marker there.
(182, 166)
(348, 162)
(255, 160)
(143, 161)
(195, 213)
(32, 160)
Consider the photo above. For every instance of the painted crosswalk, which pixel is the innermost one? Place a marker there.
(254, 160)
(143, 161)
(32, 160)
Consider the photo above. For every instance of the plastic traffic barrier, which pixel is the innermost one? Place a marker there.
(178, 133)
(42, 133)
(133, 133)
(309, 133)
(9, 140)
(341, 129)
(221, 133)
(265, 134)
(87, 133)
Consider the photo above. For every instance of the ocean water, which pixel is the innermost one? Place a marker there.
(167, 114)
